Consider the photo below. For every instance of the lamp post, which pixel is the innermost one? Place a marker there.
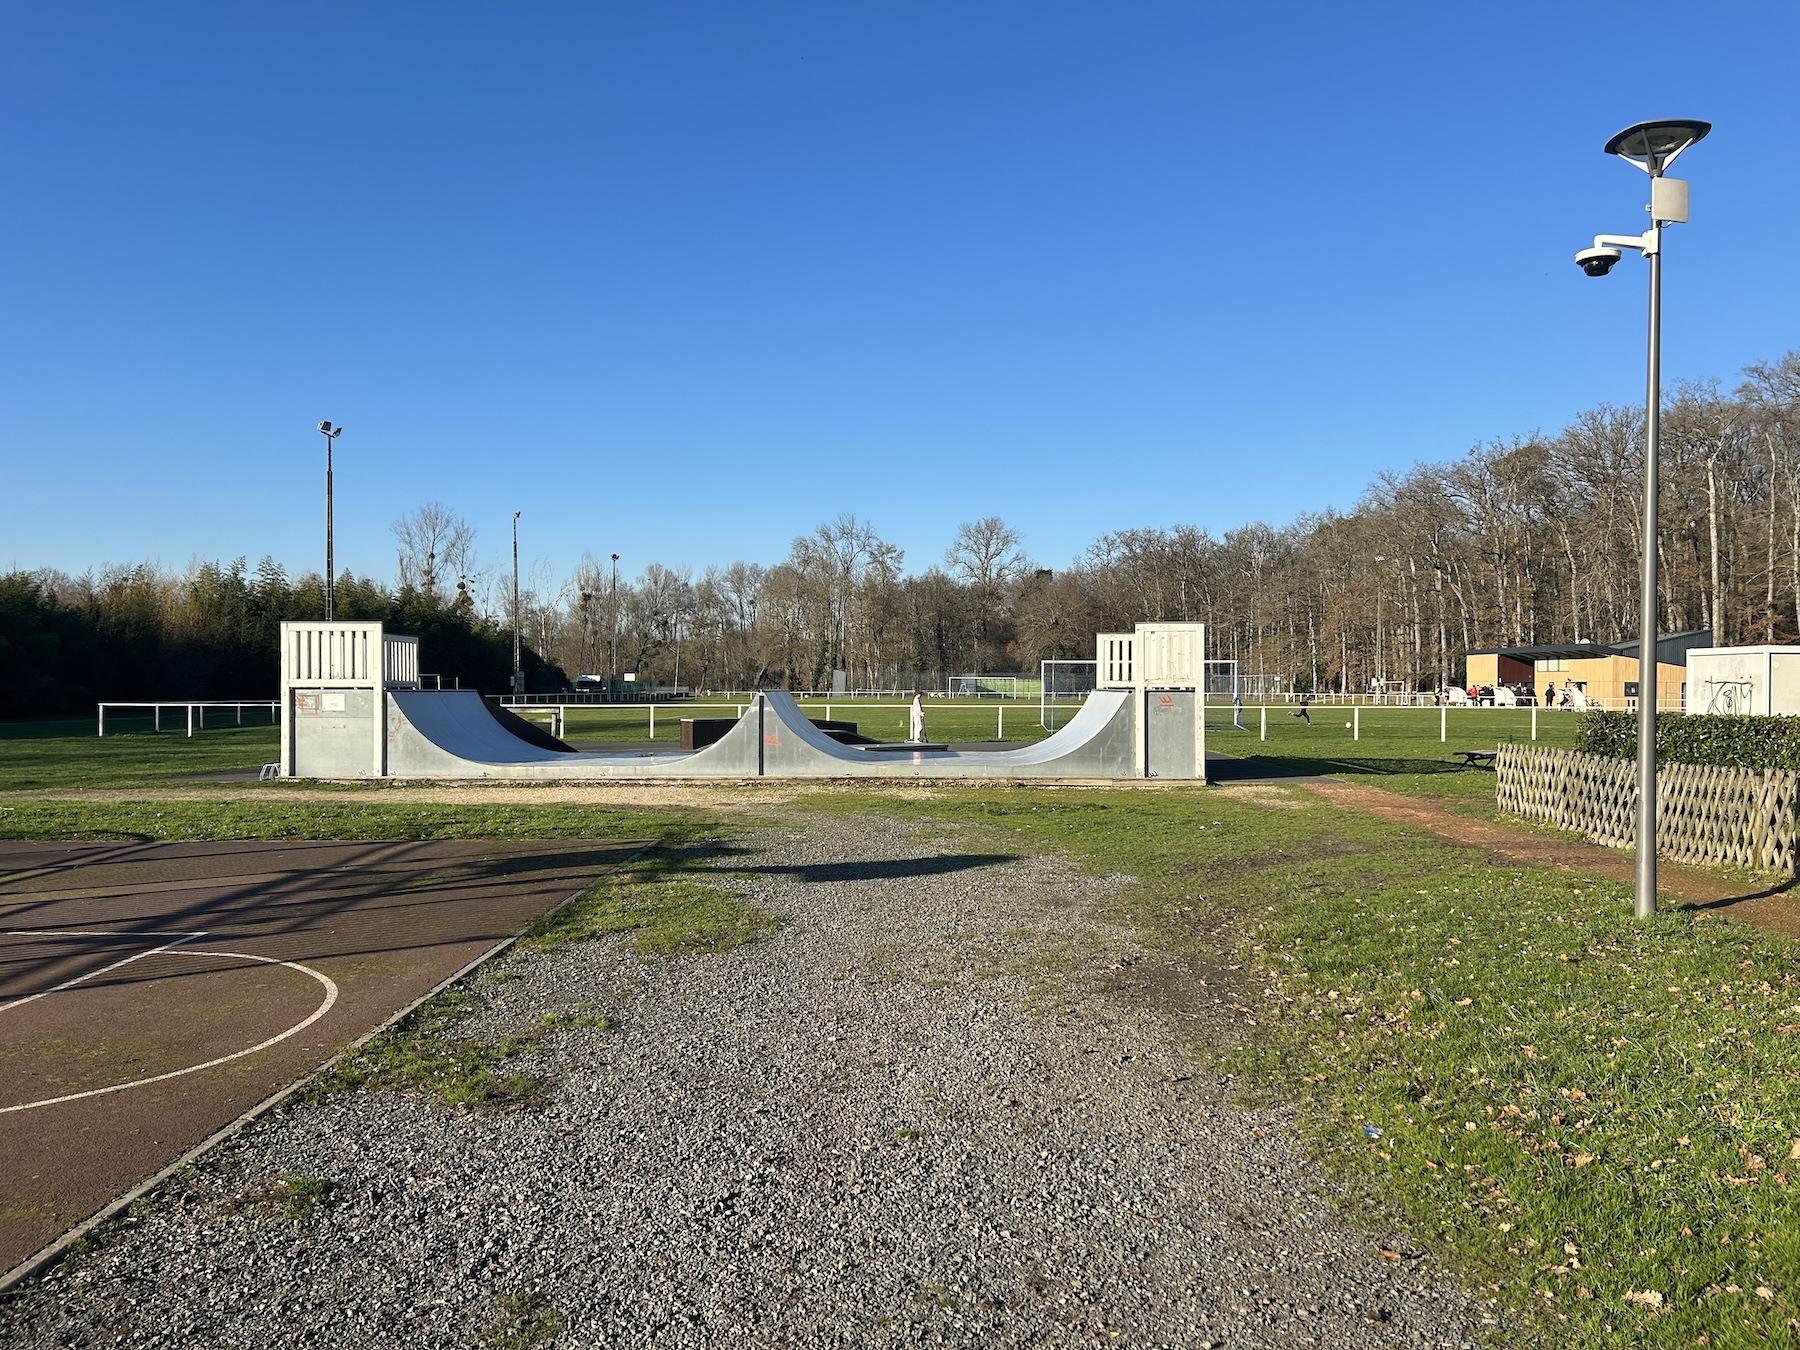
(1652, 147)
(612, 687)
(330, 433)
(518, 669)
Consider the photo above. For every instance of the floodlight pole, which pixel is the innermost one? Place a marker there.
(330, 433)
(518, 669)
(613, 688)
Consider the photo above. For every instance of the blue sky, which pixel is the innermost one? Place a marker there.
(682, 281)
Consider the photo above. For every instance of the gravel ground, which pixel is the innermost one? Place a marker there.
(942, 1105)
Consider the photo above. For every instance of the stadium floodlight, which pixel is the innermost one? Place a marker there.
(331, 434)
(518, 670)
(1652, 147)
(615, 624)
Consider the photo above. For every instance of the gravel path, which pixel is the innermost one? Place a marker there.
(942, 1105)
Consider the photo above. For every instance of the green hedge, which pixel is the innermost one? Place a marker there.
(1726, 742)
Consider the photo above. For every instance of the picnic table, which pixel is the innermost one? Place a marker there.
(1478, 759)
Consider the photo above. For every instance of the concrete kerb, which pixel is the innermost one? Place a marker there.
(48, 1256)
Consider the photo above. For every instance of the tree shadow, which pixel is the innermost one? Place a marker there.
(884, 869)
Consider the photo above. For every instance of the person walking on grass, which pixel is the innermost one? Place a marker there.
(917, 728)
(1301, 712)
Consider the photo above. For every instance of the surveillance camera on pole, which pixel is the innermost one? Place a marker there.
(1652, 147)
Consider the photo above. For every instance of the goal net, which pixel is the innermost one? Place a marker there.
(1063, 688)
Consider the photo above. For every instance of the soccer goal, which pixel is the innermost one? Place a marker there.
(985, 686)
(1063, 686)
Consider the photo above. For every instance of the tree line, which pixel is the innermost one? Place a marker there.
(1528, 539)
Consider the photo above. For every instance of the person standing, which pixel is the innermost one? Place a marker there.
(1550, 694)
(917, 727)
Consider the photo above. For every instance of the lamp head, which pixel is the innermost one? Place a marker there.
(1652, 146)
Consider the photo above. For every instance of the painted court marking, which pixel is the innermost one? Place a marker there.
(165, 949)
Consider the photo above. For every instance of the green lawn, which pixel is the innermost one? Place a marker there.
(1595, 1116)
(67, 754)
(1398, 749)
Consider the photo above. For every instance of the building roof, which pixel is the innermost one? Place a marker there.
(1668, 644)
(1555, 651)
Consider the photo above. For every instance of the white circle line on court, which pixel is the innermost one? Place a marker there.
(77, 932)
(331, 996)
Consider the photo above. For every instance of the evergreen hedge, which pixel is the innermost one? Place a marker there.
(1724, 742)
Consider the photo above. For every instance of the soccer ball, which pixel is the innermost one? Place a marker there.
(1346, 724)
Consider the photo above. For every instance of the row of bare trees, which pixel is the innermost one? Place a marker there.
(1531, 539)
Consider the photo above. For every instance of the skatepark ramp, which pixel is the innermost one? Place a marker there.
(1128, 731)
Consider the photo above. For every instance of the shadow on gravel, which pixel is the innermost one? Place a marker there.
(887, 869)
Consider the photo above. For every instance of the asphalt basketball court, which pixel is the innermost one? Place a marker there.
(150, 994)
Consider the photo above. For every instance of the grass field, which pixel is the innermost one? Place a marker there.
(1399, 748)
(67, 754)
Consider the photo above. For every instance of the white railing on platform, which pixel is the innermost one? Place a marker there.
(1171, 655)
(1115, 664)
(400, 662)
(314, 653)
(196, 711)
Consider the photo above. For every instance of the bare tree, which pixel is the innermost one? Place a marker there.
(434, 543)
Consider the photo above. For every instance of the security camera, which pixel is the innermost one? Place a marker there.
(1597, 262)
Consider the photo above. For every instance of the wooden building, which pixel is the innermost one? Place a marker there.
(1606, 674)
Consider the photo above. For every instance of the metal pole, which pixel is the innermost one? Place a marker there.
(1444, 724)
(330, 584)
(518, 670)
(1645, 904)
(615, 619)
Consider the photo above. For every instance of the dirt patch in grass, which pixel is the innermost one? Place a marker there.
(1764, 901)
(1262, 794)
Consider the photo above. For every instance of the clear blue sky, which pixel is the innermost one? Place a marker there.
(681, 281)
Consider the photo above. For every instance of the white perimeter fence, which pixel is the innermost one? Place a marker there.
(1255, 716)
(196, 711)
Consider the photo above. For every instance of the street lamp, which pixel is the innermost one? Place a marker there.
(518, 670)
(1652, 147)
(330, 433)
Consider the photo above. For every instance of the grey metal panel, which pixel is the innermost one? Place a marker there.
(1169, 733)
(334, 733)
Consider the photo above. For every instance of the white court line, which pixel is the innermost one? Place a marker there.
(70, 932)
(331, 996)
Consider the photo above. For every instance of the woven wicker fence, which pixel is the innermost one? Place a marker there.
(1704, 815)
